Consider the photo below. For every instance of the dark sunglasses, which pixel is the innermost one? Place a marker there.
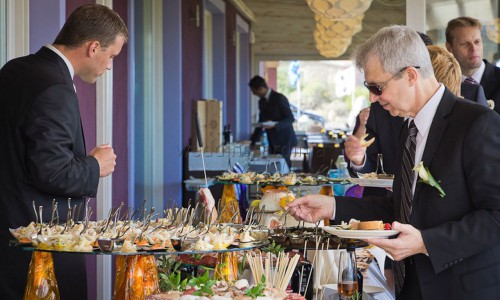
(377, 89)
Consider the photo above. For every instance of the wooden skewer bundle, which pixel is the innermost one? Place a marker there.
(278, 276)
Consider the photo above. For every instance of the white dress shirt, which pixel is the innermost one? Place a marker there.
(478, 74)
(423, 121)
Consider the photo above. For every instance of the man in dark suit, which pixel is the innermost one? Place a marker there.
(386, 129)
(463, 39)
(449, 244)
(274, 106)
(43, 156)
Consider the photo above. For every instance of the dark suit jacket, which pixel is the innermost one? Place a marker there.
(461, 231)
(491, 84)
(43, 158)
(473, 92)
(277, 109)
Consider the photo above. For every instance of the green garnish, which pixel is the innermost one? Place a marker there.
(204, 285)
(273, 248)
(257, 291)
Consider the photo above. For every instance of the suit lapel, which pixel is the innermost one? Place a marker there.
(488, 79)
(436, 132)
(50, 55)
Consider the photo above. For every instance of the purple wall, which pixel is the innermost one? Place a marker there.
(46, 18)
(192, 65)
(230, 66)
(120, 114)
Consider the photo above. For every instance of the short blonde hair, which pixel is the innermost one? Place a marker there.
(446, 68)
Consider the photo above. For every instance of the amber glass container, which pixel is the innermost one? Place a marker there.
(328, 191)
(229, 205)
(227, 266)
(136, 277)
(42, 283)
(227, 263)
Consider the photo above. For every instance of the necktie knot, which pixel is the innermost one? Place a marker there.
(470, 80)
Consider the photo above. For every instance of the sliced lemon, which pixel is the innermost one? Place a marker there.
(285, 200)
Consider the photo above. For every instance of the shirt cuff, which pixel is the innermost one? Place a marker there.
(358, 168)
(334, 211)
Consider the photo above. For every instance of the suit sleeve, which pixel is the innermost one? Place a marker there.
(478, 229)
(254, 138)
(51, 130)
(286, 113)
(480, 97)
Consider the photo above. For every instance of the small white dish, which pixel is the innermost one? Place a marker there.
(359, 234)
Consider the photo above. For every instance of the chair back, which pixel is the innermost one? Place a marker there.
(323, 158)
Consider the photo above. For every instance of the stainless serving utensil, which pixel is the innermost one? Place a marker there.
(110, 244)
(380, 164)
(283, 215)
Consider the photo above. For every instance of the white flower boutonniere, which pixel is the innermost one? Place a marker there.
(426, 177)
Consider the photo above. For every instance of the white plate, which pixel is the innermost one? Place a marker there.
(383, 183)
(359, 234)
(369, 289)
(268, 123)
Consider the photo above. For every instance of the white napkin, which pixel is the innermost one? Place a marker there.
(380, 255)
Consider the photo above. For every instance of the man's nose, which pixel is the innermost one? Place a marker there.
(474, 48)
(373, 98)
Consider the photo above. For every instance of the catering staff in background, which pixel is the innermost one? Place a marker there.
(449, 244)
(463, 39)
(43, 156)
(274, 106)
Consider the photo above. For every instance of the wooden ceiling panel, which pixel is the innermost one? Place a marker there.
(284, 29)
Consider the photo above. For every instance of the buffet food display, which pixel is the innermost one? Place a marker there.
(216, 234)
(276, 179)
(138, 237)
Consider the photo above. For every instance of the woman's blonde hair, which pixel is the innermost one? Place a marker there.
(446, 68)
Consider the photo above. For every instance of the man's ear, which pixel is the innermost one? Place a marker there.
(448, 47)
(92, 48)
(412, 74)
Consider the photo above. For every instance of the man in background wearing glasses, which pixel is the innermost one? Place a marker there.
(448, 245)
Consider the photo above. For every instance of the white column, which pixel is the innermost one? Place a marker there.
(17, 27)
(153, 103)
(415, 15)
(104, 135)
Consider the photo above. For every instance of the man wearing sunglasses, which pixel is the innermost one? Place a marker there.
(448, 245)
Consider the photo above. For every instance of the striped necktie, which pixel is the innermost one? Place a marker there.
(407, 177)
(408, 174)
(470, 80)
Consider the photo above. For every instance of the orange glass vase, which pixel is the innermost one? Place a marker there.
(229, 205)
(328, 191)
(227, 263)
(227, 266)
(136, 277)
(42, 283)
